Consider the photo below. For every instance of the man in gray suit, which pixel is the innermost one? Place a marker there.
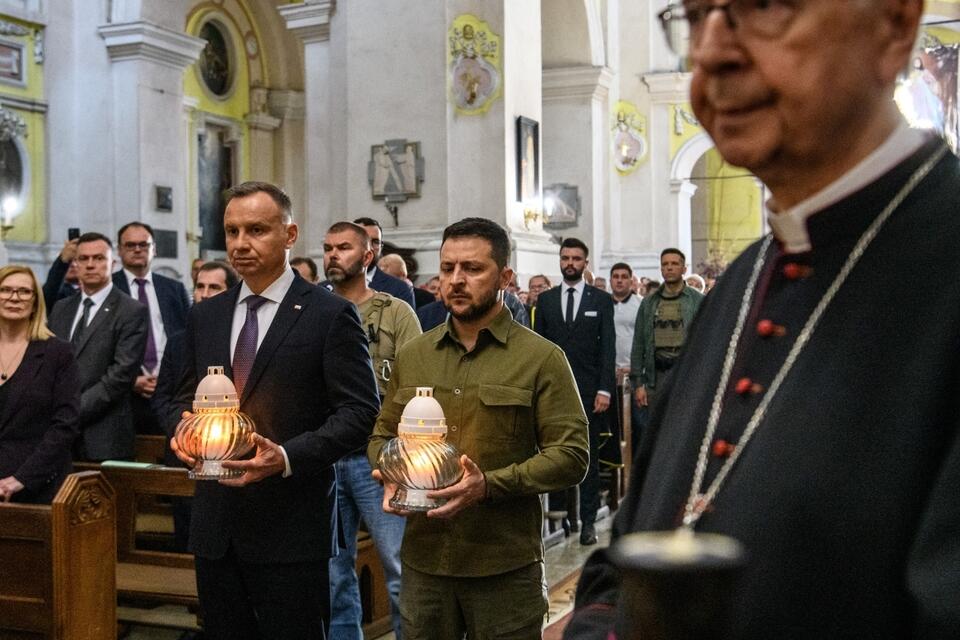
(108, 331)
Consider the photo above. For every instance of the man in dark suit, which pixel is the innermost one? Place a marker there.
(579, 319)
(108, 331)
(299, 359)
(167, 302)
(376, 278)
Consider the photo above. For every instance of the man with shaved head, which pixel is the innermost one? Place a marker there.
(802, 418)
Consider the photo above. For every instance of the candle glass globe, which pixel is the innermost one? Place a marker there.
(420, 459)
(216, 430)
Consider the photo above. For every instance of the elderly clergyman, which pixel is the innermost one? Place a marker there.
(804, 418)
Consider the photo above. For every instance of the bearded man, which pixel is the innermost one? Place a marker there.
(803, 418)
(474, 566)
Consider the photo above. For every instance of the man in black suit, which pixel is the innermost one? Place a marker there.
(168, 304)
(376, 278)
(108, 331)
(299, 359)
(579, 319)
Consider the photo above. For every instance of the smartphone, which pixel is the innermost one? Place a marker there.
(73, 233)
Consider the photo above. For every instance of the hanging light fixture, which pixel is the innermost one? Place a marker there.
(420, 459)
(216, 430)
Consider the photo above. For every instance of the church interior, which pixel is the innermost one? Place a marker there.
(553, 118)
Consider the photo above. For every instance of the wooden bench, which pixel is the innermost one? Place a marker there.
(147, 576)
(58, 564)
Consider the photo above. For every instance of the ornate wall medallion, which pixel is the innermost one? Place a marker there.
(474, 63)
(628, 138)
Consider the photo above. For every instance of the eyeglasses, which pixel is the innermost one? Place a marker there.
(22, 293)
(130, 246)
(683, 24)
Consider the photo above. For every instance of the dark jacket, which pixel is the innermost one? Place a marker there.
(590, 342)
(171, 295)
(642, 365)
(845, 497)
(108, 357)
(40, 420)
(311, 390)
(394, 286)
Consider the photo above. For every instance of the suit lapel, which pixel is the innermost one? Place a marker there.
(586, 304)
(63, 322)
(288, 313)
(106, 310)
(221, 339)
(28, 369)
(120, 281)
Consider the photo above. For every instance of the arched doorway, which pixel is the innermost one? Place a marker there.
(719, 206)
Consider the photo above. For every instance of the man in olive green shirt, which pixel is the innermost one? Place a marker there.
(475, 565)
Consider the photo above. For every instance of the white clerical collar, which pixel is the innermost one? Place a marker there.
(790, 226)
(274, 293)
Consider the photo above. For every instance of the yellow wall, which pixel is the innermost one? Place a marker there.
(30, 224)
(236, 105)
(735, 207)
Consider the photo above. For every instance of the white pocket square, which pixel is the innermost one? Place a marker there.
(590, 314)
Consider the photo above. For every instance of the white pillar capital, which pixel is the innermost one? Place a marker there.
(668, 87)
(576, 82)
(153, 43)
(309, 21)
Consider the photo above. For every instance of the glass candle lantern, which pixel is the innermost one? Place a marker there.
(216, 430)
(677, 585)
(420, 459)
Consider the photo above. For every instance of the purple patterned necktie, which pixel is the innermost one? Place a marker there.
(246, 349)
(150, 355)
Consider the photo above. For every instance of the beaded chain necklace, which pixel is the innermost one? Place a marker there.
(698, 500)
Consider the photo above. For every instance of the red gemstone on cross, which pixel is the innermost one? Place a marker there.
(792, 271)
(744, 385)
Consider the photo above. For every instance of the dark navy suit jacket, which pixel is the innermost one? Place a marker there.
(394, 286)
(589, 343)
(311, 390)
(172, 296)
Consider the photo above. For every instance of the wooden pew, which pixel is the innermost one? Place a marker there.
(148, 577)
(58, 564)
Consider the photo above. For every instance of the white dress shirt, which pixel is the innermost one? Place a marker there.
(790, 226)
(625, 322)
(156, 318)
(98, 299)
(265, 315)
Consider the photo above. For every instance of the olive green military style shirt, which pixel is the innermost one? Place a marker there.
(513, 407)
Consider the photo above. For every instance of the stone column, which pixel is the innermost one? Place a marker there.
(671, 194)
(147, 136)
(576, 132)
(310, 22)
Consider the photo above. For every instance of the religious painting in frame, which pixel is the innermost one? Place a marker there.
(11, 63)
(528, 160)
(561, 206)
(395, 170)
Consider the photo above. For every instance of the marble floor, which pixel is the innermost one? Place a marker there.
(563, 563)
